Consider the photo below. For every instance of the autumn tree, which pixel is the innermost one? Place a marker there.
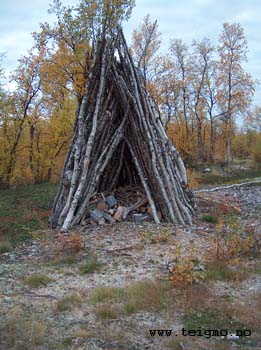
(37, 117)
(200, 81)
(180, 55)
(146, 41)
(18, 108)
(253, 119)
(235, 86)
(71, 39)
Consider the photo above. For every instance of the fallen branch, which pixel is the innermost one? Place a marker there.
(122, 248)
(41, 295)
(135, 206)
(210, 200)
(229, 186)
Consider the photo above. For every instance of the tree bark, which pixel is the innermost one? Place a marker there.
(119, 136)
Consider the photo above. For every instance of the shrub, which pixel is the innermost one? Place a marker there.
(70, 244)
(229, 241)
(185, 270)
(209, 218)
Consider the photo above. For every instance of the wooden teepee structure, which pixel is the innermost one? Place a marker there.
(120, 140)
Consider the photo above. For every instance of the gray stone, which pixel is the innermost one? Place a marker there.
(139, 217)
(96, 215)
(111, 201)
(7, 300)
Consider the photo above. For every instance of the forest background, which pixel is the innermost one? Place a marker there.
(202, 92)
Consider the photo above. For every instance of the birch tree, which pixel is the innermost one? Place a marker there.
(235, 86)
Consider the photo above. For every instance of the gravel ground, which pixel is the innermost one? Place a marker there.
(127, 255)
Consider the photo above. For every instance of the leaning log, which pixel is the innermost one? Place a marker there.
(119, 140)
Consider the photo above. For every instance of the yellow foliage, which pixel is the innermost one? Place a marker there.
(256, 150)
(71, 243)
(184, 272)
(192, 180)
(229, 243)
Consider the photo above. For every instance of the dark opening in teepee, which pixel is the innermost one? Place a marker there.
(119, 140)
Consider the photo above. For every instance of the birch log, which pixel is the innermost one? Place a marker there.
(119, 140)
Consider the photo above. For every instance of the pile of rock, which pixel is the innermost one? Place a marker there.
(110, 210)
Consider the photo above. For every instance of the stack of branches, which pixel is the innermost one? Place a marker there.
(119, 140)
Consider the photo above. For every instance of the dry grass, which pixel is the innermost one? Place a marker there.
(22, 332)
(107, 294)
(249, 313)
(68, 302)
(83, 333)
(149, 295)
(108, 311)
(146, 295)
(38, 279)
(219, 270)
(194, 296)
(5, 247)
(92, 265)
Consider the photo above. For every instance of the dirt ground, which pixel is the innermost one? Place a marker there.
(65, 312)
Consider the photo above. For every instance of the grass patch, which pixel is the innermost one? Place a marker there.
(24, 210)
(22, 332)
(63, 260)
(37, 280)
(211, 319)
(174, 343)
(208, 218)
(92, 265)
(140, 296)
(83, 333)
(219, 271)
(5, 247)
(102, 294)
(149, 295)
(68, 302)
(130, 308)
(235, 176)
(67, 342)
(108, 312)
(145, 295)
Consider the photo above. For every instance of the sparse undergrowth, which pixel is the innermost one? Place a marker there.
(146, 295)
(5, 247)
(68, 302)
(91, 265)
(25, 209)
(209, 218)
(21, 331)
(205, 295)
(38, 279)
(217, 178)
(220, 271)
